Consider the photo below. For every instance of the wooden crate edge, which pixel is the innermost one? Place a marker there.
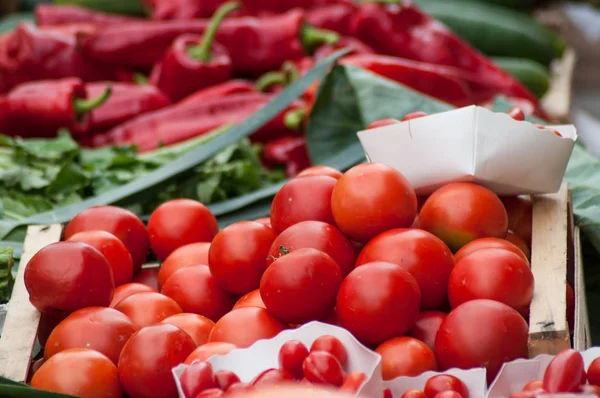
(558, 100)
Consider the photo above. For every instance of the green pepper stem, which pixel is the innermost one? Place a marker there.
(202, 52)
(82, 106)
(140, 78)
(269, 79)
(293, 119)
(312, 37)
(290, 72)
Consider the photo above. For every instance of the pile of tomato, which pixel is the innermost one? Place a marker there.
(428, 283)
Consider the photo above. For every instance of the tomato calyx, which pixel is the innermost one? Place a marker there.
(284, 250)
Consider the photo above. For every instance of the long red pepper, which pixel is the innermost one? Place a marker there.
(51, 14)
(289, 151)
(39, 109)
(194, 62)
(335, 17)
(228, 88)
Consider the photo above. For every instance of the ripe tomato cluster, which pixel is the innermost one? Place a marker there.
(439, 386)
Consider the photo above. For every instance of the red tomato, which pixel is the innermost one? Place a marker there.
(98, 328)
(272, 376)
(148, 308)
(205, 351)
(593, 372)
(427, 326)
(148, 276)
(413, 394)
(321, 171)
(245, 326)
(179, 222)
(315, 235)
(500, 335)
(564, 372)
(197, 326)
(147, 359)
(520, 216)
(112, 249)
(426, 257)
(185, 256)
(264, 220)
(196, 378)
(291, 357)
(302, 199)
(460, 212)
(488, 243)
(414, 115)
(516, 113)
(225, 379)
(197, 292)
(384, 196)
(321, 367)
(354, 381)
(439, 383)
(81, 372)
(518, 242)
(494, 274)
(405, 356)
(67, 276)
(121, 223)
(448, 394)
(526, 394)
(251, 299)
(534, 385)
(378, 301)
(127, 290)
(301, 286)
(331, 345)
(382, 123)
(238, 256)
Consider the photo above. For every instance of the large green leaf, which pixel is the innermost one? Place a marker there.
(12, 389)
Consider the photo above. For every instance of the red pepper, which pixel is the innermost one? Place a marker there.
(335, 17)
(289, 151)
(220, 90)
(50, 14)
(40, 109)
(356, 47)
(194, 62)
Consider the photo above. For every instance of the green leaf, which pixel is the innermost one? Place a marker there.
(11, 389)
(6, 278)
(17, 248)
(71, 178)
(19, 206)
(49, 149)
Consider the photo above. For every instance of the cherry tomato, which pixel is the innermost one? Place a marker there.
(387, 393)
(413, 394)
(516, 113)
(302, 199)
(225, 379)
(331, 345)
(127, 290)
(207, 350)
(197, 292)
(448, 394)
(291, 357)
(481, 333)
(519, 242)
(245, 326)
(564, 372)
(272, 376)
(353, 383)
(414, 115)
(315, 235)
(121, 223)
(489, 243)
(211, 393)
(67, 276)
(179, 222)
(112, 249)
(461, 212)
(79, 371)
(494, 274)
(251, 299)
(593, 372)
(196, 378)
(147, 359)
(405, 356)
(185, 256)
(382, 123)
(439, 383)
(197, 326)
(384, 196)
(238, 256)
(148, 276)
(301, 286)
(101, 329)
(534, 385)
(378, 301)
(321, 171)
(520, 216)
(422, 254)
(321, 367)
(148, 308)
(264, 220)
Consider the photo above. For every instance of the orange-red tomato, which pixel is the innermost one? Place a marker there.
(148, 276)
(520, 216)
(427, 326)
(414, 115)
(264, 220)
(413, 394)
(405, 356)
(440, 383)
(533, 385)
(564, 373)
(207, 350)
(148, 308)
(251, 299)
(593, 372)
(321, 171)
(245, 326)
(185, 256)
(197, 326)
(81, 372)
(382, 123)
(127, 290)
(489, 243)
(519, 242)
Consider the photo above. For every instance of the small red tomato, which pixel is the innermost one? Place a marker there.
(414, 115)
(225, 378)
(251, 299)
(520, 216)
(413, 394)
(488, 243)
(517, 114)
(185, 256)
(564, 373)
(593, 372)
(448, 394)
(211, 393)
(196, 378)
(526, 394)
(207, 350)
(127, 290)
(321, 171)
(264, 220)
(427, 326)
(244, 326)
(405, 356)
(197, 326)
(331, 345)
(533, 385)
(291, 357)
(272, 376)
(321, 367)
(148, 308)
(147, 276)
(518, 242)
(354, 381)
(387, 393)
(382, 123)
(440, 383)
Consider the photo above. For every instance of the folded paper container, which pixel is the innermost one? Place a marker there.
(474, 144)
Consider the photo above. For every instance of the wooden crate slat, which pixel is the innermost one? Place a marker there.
(22, 319)
(557, 101)
(581, 335)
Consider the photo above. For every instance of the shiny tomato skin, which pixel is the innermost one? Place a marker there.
(427, 326)
(225, 379)
(98, 328)
(238, 256)
(197, 326)
(264, 220)
(519, 242)
(67, 276)
(127, 290)
(245, 326)
(564, 372)
(382, 123)
(520, 216)
(185, 256)
(207, 350)
(321, 171)
(353, 382)
(196, 378)
(321, 367)
(301, 286)
(461, 212)
(439, 383)
(488, 243)
(113, 249)
(251, 299)
(384, 196)
(414, 115)
(533, 385)
(179, 222)
(500, 336)
(303, 199)
(148, 308)
(121, 223)
(79, 371)
(331, 345)
(272, 376)
(378, 301)
(422, 254)
(148, 276)
(405, 356)
(147, 359)
(413, 394)
(494, 274)
(291, 357)
(448, 394)
(593, 372)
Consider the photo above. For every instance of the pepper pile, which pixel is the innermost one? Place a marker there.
(194, 66)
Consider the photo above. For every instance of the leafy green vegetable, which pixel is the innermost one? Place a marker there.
(12, 389)
(6, 277)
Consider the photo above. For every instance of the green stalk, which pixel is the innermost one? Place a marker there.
(202, 52)
(269, 79)
(312, 37)
(82, 106)
(293, 119)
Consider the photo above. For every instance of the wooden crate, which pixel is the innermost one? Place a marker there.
(556, 258)
(557, 101)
